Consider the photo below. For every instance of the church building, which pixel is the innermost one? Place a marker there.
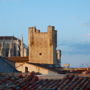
(12, 46)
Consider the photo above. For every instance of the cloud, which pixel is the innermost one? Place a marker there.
(88, 34)
(75, 53)
(81, 48)
(75, 48)
(76, 60)
(86, 24)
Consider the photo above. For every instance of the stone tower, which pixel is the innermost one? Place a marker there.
(42, 46)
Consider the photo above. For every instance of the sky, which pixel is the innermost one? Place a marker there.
(71, 19)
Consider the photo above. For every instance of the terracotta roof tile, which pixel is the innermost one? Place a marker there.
(32, 82)
(17, 59)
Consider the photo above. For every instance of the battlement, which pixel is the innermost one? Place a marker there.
(50, 28)
(34, 30)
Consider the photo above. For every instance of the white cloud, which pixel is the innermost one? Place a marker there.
(75, 60)
(86, 24)
(88, 34)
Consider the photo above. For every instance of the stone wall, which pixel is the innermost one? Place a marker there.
(42, 45)
(21, 67)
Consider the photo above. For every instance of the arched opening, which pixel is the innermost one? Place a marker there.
(26, 69)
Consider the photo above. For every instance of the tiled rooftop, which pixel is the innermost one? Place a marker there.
(61, 70)
(32, 82)
(17, 59)
(6, 66)
(8, 38)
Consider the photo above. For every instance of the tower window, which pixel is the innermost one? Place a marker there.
(40, 53)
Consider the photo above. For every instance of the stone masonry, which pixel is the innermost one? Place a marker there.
(42, 46)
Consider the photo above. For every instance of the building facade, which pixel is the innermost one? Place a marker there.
(12, 46)
(44, 58)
